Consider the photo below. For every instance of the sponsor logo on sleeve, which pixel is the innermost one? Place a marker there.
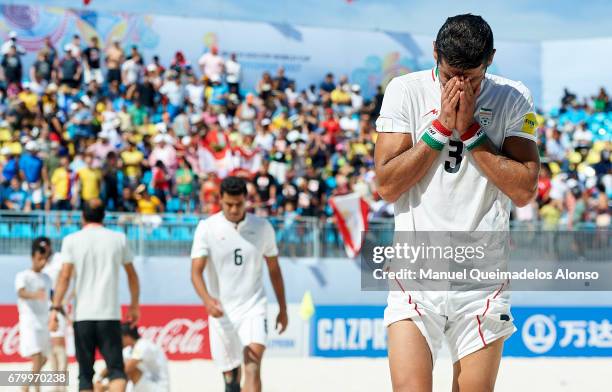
(529, 124)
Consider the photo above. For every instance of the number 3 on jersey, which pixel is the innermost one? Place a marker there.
(455, 154)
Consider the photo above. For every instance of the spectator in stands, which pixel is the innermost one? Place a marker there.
(233, 73)
(184, 179)
(92, 56)
(133, 160)
(328, 85)
(12, 42)
(555, 148)
(10, 169)
(212, 64)
(114, 58)
(112, 182)
(280, 82)
(42, 70)
(174, 93)
(61, 186)
(15, 198)
(75, 46)
(13, 69)
(70, 69)
(31, 167)
(145, 203)
(131, 70)
(264, 87)
(266, 187)
(88, 180)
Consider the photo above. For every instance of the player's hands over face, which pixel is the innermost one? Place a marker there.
(281, 321)
(450, 99)
(467, 103)
(133, 315)
(213, 306)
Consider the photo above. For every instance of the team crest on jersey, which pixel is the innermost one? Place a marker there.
(485, 116)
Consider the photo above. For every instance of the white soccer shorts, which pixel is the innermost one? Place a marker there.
(469, 320)
(33, 341)
(228, 338)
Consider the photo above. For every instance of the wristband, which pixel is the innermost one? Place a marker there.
(59, 309)
(474, 137)
(436, 135)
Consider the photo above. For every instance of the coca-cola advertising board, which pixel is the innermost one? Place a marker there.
(182, 330)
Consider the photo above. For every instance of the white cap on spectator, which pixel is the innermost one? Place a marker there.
(161, 127)
(356, 88)
(158, 138)
(104, 134)
(265, 121)
(31, 146)
(13, 34)
(151, 68)
(5, 151)
(186, 140)
(67, 48)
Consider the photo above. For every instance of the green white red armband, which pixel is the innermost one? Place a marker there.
(474, 137)
(436, 135)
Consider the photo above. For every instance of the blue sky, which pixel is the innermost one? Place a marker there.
(511, 20)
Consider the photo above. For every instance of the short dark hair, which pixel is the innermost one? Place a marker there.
(465, 41)
(234, 186)
(128, 330)
(40, 244)
(93, 211)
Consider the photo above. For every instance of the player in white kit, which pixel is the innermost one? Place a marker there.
(456, 146)
(146, 364)
(33, 288)
(230, 248)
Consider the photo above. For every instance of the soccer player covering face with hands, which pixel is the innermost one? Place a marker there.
(230, 248)
(456, 147)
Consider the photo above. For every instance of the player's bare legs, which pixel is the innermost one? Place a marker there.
(253, 354)
(38, 361)
(232, 380)
(58, 359)
(477, 372)
(410, 359)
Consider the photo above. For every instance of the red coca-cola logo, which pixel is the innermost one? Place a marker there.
(9, 340)
(182, 331)
(178, 336)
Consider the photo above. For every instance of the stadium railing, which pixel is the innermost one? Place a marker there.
(172, 235)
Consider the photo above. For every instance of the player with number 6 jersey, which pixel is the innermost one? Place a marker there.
(230, 248)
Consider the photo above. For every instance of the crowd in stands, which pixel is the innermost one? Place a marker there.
(87, 121)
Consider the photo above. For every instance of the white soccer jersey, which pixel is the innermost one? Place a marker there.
(454, 194)
(153, 362)
(33, 313)
(234, 270)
